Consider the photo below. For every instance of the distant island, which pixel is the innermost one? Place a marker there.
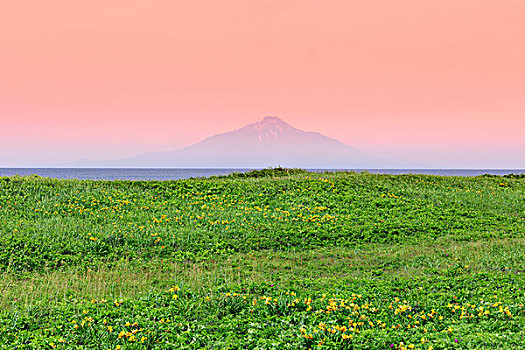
(268, 143)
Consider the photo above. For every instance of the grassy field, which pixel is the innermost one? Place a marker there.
(273, 259)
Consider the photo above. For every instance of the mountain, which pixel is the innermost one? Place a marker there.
(267, 143)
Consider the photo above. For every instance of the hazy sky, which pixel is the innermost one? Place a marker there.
(99, 79)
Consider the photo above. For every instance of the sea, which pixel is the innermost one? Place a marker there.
(179, 173)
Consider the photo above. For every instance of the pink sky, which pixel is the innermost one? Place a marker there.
(103, 79)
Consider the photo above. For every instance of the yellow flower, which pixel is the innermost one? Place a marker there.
(174, 289)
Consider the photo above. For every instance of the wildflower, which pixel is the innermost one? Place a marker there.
(346, 336)
(174, 289)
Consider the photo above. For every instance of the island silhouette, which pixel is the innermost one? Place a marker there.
(267, 143)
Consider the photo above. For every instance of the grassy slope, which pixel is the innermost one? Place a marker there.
(426, 242)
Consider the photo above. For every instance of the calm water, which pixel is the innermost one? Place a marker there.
(175, 174)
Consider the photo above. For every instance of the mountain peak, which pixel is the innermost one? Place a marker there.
(269, 128)
(272, 120)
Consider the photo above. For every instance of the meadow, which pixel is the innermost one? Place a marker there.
(272, 259)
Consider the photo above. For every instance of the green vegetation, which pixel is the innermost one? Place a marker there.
(273, 259)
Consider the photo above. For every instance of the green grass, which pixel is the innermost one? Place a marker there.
(322, 255)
